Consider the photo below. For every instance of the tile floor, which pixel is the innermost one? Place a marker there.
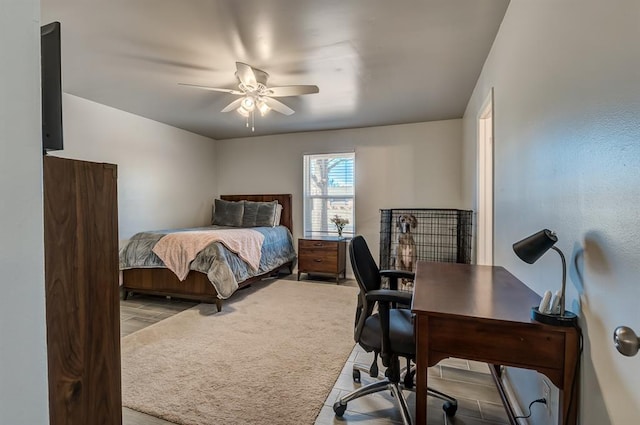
(470, 382)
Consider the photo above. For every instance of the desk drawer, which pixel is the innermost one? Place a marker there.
(507, 343)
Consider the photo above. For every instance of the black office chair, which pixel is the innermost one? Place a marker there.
(389, 332)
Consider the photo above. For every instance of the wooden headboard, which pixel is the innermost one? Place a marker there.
(283, 199)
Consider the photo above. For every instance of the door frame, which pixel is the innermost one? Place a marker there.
(485, 180)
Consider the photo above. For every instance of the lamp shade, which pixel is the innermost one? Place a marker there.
(531, 248)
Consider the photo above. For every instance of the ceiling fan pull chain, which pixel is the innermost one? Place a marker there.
(253, 128)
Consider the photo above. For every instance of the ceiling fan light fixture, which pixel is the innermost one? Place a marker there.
(248, 103)
(263, 107)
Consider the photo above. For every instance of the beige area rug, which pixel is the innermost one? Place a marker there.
(270, 357)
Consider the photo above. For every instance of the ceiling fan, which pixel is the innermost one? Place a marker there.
(256, 95)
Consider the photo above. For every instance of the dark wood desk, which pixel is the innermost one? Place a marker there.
(482, 313)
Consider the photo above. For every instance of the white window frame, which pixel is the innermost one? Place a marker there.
(308, 198)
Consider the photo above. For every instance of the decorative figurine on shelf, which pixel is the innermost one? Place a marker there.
(339, 223)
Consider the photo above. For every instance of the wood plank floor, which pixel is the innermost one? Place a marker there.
(470, 382)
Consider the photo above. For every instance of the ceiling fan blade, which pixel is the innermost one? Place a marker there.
(284, 91)
(230, 91)
(233, 105)
(246, 75)
(278, 106)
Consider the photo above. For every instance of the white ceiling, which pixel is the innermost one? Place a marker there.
(376, 62)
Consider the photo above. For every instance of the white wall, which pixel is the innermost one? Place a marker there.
(567, 129)
(411, 165)
(166, 176)
(23, 362)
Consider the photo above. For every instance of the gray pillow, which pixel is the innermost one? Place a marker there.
(259, 214)
(227, 213)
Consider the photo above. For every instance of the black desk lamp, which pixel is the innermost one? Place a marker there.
(529, 250)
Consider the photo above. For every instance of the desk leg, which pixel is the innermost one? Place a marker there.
(421, 396)
(568, 409)
(422, 362)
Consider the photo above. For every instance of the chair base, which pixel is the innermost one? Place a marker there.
(339, 407)
(358, 369)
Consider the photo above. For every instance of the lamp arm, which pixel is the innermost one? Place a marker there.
(564, 278)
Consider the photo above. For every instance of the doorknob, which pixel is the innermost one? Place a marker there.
(626, 341)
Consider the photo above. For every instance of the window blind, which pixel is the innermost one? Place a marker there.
(329, 191)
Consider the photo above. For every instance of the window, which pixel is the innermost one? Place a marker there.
(329, 190)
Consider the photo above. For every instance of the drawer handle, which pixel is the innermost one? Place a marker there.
(318, 244)
(318, 260)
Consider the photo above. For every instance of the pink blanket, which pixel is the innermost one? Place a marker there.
(178, 250)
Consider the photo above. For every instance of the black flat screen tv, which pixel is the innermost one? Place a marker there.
(51, 84)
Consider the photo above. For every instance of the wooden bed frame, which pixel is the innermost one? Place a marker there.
(197, 286)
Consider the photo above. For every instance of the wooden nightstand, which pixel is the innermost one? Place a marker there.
(322, 255)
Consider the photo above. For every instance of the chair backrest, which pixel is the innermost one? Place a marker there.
(367, 275)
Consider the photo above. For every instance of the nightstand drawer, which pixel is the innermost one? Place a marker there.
(304, 245)
(318, 255)
(318, 263)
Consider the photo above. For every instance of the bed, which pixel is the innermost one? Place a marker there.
(146, 275)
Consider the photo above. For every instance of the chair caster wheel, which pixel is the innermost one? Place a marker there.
(450, 408)
(356, 375)
(339, 409)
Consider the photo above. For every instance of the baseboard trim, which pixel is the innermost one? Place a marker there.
(507, 395)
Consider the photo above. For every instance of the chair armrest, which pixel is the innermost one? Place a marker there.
(387, 299)
(389, 296)
(398, 274)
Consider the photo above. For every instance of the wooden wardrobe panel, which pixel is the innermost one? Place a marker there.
(82, 297)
